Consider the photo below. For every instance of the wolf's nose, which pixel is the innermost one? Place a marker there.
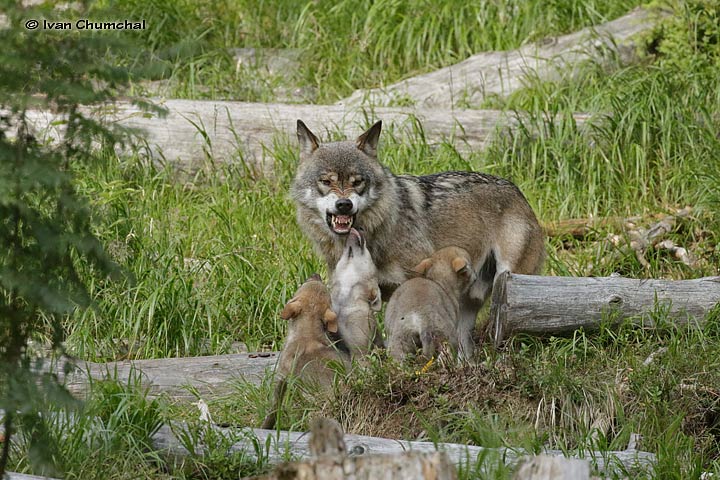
(344, 206)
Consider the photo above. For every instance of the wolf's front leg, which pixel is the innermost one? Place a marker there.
(469, 309)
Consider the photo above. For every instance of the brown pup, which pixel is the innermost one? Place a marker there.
(308, 351)
(356, 296)
(425, 311)
(406, 218)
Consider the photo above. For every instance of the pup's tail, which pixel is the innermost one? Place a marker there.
(271, 419)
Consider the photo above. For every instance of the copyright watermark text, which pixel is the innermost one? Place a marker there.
(84, 24)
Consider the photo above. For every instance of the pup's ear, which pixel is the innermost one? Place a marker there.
(292, 309)
(460, 266)
(375, 299)
(330, 319)
(367, 142)
(308, 141)
(423, 266)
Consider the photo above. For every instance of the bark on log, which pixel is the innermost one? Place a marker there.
(580, 227)
(403, 466)
(23, 476)
(555, 305)
(280, 444)
(471, 81)
(173, 377)
(543, 467)
(196, 134)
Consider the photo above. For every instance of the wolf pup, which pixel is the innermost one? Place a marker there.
(356, 295)
(307, 350)
(425, 311)
(405, 218)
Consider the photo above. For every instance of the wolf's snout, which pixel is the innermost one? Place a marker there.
(344, 206)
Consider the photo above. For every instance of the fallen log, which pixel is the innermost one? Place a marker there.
(194, 135)
(581, 227)
(543, 467)
(331, 462)
(24, 476)
(472, 81)
(176, 378)
(277, 445)
(402, 466)
(555, 305)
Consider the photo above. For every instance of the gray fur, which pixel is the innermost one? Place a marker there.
(406, 218)
(425, 311)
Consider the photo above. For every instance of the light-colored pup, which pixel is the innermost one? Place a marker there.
(425, 311)
(308, 351)
(356, 296)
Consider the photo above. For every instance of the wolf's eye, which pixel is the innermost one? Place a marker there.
(325, 182)
(357, 183)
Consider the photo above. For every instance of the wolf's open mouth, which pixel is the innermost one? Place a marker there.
(340, 224)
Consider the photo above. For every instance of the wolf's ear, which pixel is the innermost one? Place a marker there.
(367, 142)
(308, 141)
(423, 266)
(375, 299)
(292, 309)
(330, 319)
(460, 266)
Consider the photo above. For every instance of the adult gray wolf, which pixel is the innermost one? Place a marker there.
(406, 218)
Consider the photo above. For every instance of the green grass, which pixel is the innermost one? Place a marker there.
(211, 260)
(590, 391)
(344, 45)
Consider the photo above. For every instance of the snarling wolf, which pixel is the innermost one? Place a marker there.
(406, 218)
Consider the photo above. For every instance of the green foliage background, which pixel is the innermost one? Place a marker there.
(194, 265)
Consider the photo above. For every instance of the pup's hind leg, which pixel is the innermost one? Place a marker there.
(431, 340)
(402, 343)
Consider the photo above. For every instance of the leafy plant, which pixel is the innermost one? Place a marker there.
(48, 250)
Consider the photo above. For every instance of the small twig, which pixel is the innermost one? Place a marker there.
(678, 252)
(651, 357)
(204, 411)
(639, 240)
(635, 439)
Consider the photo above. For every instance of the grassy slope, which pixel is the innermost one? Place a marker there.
(343, 45)
(213, 261)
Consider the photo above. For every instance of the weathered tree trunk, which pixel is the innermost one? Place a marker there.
(196, 134)
(486, 74)
(400, 466)
(555, 305)
(282, 443)
(543, 467)
(23, 476)
(172, 376)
